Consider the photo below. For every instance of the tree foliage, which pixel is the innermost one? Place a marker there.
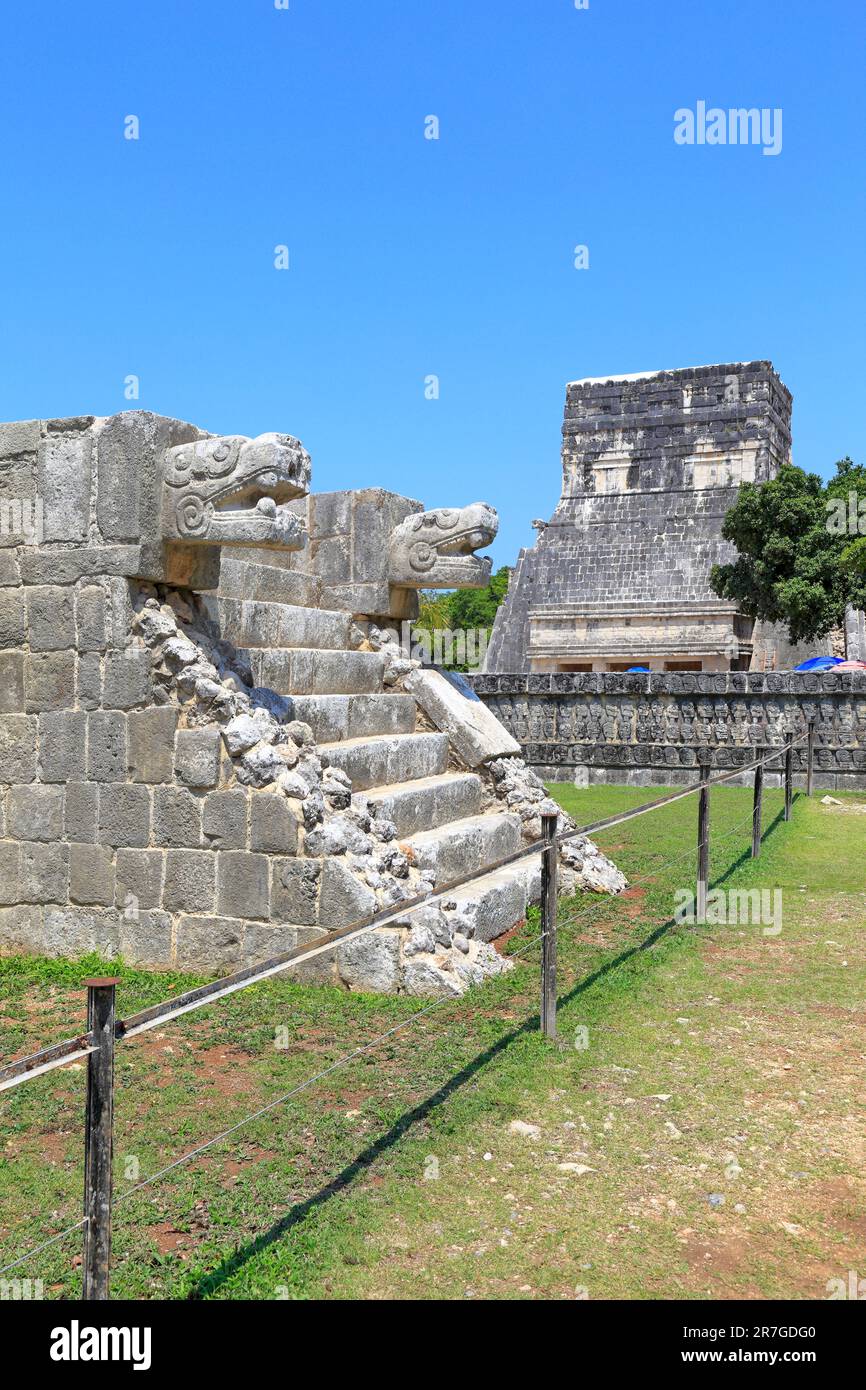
(461, 611)
(802, 549)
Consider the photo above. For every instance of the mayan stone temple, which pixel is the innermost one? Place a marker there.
(212, 749)
(619, 576)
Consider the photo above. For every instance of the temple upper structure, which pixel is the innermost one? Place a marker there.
(619, 576)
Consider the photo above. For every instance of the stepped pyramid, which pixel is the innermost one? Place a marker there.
(376, 729)
(214, 744)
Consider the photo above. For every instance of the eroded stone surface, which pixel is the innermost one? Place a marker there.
(158, 797)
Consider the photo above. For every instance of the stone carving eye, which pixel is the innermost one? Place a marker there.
(422, 556)
(222, 458)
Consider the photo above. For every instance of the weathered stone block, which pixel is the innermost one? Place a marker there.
(21, 507)
(68, 566)
(119, 611)
(81, 811)
(91, 618)
(343, 898)
(44, 873)
(151, 744)
(197, 757)
(243, 884)
(321, 969)
(11, 682)
(371, 962)
(452, 705)
(262, 941)
(176, 818)
(224, 819)
(189, 880)
(22, 930)
(138, 879)
(62, 745)
(17, 748)
(35, 813)
(10, 569)
(295, 891)
(49, 680)
(19, 437)
(273, 828)
(91, 874)
(88, 681)
(10, 871)
(106, 747)
(209, 945)
(77, 931)
(13, 618)
(63, 475)
(50, 622)
(127, 679)
(122, 443)
(332, 557)
(145, 939)
(124, 815)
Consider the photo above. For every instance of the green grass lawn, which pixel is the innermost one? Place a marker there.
(704, 1096)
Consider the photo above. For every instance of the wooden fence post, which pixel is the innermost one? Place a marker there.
(548, 924)
(810, 757)
(98, 1138)
(703, 842)
(757, 807)
(789, 774)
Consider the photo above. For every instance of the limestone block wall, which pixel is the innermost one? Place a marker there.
(651, 729)
(119, 831)
(347, 550)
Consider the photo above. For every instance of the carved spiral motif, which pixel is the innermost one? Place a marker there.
(422, 556)
(203, 460)
(193, 515)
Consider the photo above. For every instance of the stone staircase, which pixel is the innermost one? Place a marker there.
(443, 815)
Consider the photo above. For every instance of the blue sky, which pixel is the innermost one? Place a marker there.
(412, 257)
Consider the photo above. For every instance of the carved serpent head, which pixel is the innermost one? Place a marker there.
(231, 490)
(434, 550)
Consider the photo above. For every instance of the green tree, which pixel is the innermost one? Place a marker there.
(801, 555)
(461, 611)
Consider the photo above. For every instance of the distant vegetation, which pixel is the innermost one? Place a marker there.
(802, 549)
(461, 611)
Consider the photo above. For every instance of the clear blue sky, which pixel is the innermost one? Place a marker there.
(411, 257)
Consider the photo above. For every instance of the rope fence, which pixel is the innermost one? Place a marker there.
(105, 1030)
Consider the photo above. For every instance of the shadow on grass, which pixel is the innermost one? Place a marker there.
(297, 1214)
(229, 1267)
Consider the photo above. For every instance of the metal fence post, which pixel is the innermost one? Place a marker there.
(548, 924)
(789, 774)
(810, 757)
(98, 1138)
(703, 842)
(757, 806)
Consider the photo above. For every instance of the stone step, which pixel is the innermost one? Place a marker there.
(381, 759)
(270, 583)
(498, 901)
(465, 846)
(427, 801)
(309, 671)
(336, 717)
(252, 623)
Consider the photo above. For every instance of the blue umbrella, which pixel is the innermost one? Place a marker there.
(819, 663)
